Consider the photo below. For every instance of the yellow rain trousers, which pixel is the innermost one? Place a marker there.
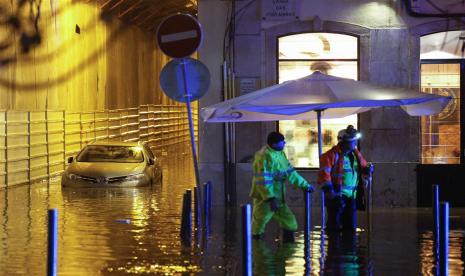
(271, 170)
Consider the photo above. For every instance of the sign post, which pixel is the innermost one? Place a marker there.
(179, 36)
(191, 129)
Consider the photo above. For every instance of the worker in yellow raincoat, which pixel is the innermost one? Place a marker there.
(271, 170)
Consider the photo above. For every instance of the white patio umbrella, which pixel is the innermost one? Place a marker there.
(306, 98)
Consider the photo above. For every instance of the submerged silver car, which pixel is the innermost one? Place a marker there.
(113, 164)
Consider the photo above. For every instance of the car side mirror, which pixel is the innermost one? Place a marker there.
(70, 160)
(151, 162)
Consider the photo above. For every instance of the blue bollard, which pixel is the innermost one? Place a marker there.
(207, 203)
(210, 187)
(443, 238)
(307, 229)
(183, 217)
(186, 220)
(196, 209)
(197, 220)
(307, 222)
(205, 206)
(435, 207)
(189, 216)
(52, 242)
(246, 239)
(322, 210)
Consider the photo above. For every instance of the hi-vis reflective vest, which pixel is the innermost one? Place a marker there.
(271, 169)
(331, 174)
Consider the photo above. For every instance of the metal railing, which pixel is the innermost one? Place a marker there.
(35, 145)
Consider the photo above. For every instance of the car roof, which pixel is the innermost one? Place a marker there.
(116, 143)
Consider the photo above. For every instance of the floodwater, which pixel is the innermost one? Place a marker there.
(135, 231)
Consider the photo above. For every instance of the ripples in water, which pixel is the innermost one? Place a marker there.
(131, 231)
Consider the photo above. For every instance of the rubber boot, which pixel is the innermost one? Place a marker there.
(288, 236)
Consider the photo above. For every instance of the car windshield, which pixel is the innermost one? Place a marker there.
(106, 153)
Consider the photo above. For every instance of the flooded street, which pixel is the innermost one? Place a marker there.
(114, 230)
(131, 231)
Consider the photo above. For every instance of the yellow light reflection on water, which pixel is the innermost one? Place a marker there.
(428, 262)
(140, 212)
(157, 268)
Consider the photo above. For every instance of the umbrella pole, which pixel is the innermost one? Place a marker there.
(320, 142)
(320, 152)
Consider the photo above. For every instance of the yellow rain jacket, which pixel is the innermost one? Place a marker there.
(271, 170)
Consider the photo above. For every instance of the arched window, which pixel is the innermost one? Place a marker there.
(442, 68)
(300, 55)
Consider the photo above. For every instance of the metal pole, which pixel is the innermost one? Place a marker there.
(189, 216)
(369, 196)
(52, 242)
(227, 141)
(322, 251)
(208, 205)
(435, 207)
(186, 223)
(183, 218)
(320, 142)
(307, 223)
(246, 240)
(191, 128)
(196, 209)
(320, 152)
(209, 196)
(307, 228)
(206, 209)
(444, 238)
(368, 201)
(198, 222)
(322, 206)
(436, 240)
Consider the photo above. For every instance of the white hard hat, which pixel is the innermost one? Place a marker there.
(349, 134)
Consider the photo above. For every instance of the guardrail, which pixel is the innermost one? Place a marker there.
(35, 145)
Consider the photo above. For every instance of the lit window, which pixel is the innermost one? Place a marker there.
(299, 56)
(440, 133)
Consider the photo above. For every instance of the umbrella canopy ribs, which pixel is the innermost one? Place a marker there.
(338, 97)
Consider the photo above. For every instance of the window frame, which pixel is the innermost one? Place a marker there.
(461, 63)
(357, 61)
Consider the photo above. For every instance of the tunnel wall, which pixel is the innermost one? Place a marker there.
(35, 145)
(83, 63)
(92, 77)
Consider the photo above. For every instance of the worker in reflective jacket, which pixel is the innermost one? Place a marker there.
(341, 170)
(271, 170)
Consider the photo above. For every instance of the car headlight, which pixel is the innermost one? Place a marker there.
(134, 177)
(71, 176)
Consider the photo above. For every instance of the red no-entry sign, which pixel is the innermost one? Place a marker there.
(179, 35)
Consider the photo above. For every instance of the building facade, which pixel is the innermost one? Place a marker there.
(249, 45)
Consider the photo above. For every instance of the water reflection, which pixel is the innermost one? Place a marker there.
(127, 231)
(344, 255)
(101, 231)
(267, 262)
(331, 253)
(429, 260)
